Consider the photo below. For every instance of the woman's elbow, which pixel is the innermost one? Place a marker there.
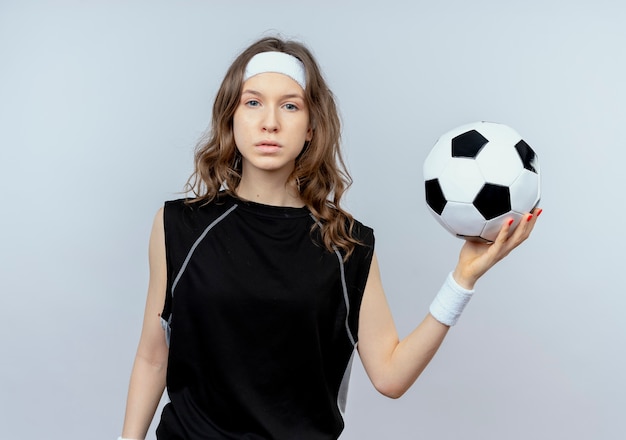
(390, 388)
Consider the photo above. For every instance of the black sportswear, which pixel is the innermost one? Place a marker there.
(262, 322)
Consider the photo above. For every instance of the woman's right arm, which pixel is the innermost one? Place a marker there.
(147, 381)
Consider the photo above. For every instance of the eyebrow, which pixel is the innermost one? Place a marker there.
(286, 96)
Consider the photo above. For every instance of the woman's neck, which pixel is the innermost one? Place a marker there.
(268, 191)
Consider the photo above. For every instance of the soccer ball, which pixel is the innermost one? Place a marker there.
(478, 175)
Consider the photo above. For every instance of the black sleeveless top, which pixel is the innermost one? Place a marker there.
(262, 322)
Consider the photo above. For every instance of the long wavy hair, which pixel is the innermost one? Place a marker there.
(320, 173)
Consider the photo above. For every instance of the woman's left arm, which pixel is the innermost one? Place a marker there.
(392, 364)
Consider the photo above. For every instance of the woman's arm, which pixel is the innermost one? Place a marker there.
(393, 365)
(147, 380)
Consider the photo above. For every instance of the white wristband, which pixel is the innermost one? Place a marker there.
(450, 302)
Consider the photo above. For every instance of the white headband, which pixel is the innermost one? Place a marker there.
(276, 62)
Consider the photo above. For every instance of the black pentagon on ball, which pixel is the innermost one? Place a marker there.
(493, 200)
(528, 156)
(468, 144)
(434, 196)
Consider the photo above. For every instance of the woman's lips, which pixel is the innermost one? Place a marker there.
(268, 146)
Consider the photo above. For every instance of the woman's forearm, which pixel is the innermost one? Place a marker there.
(147, 383)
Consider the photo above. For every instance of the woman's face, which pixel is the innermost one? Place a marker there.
(271, 123)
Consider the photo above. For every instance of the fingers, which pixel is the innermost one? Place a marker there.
(523, 229)
(528, 223)
(511, 235)
(476, 258)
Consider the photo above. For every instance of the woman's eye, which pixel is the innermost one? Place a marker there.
(252, 103)
(291, 107)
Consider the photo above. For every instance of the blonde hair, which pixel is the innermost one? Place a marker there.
(320, 172)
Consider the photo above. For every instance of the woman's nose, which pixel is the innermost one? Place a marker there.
(270, 122)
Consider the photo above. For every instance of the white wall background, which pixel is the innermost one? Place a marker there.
(101, 103)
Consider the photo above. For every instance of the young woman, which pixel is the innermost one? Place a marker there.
(264, 284)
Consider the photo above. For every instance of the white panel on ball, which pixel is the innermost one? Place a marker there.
(461, 180)
(525, 191)
(463, 219)
(499, 163)
(498, 133)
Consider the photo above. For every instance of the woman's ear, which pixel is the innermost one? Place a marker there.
(311, 129)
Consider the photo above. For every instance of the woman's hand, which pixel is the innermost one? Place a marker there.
(477, 258)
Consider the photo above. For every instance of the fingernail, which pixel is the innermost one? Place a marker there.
(539, 211)
(511, 222)
(529, 218)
